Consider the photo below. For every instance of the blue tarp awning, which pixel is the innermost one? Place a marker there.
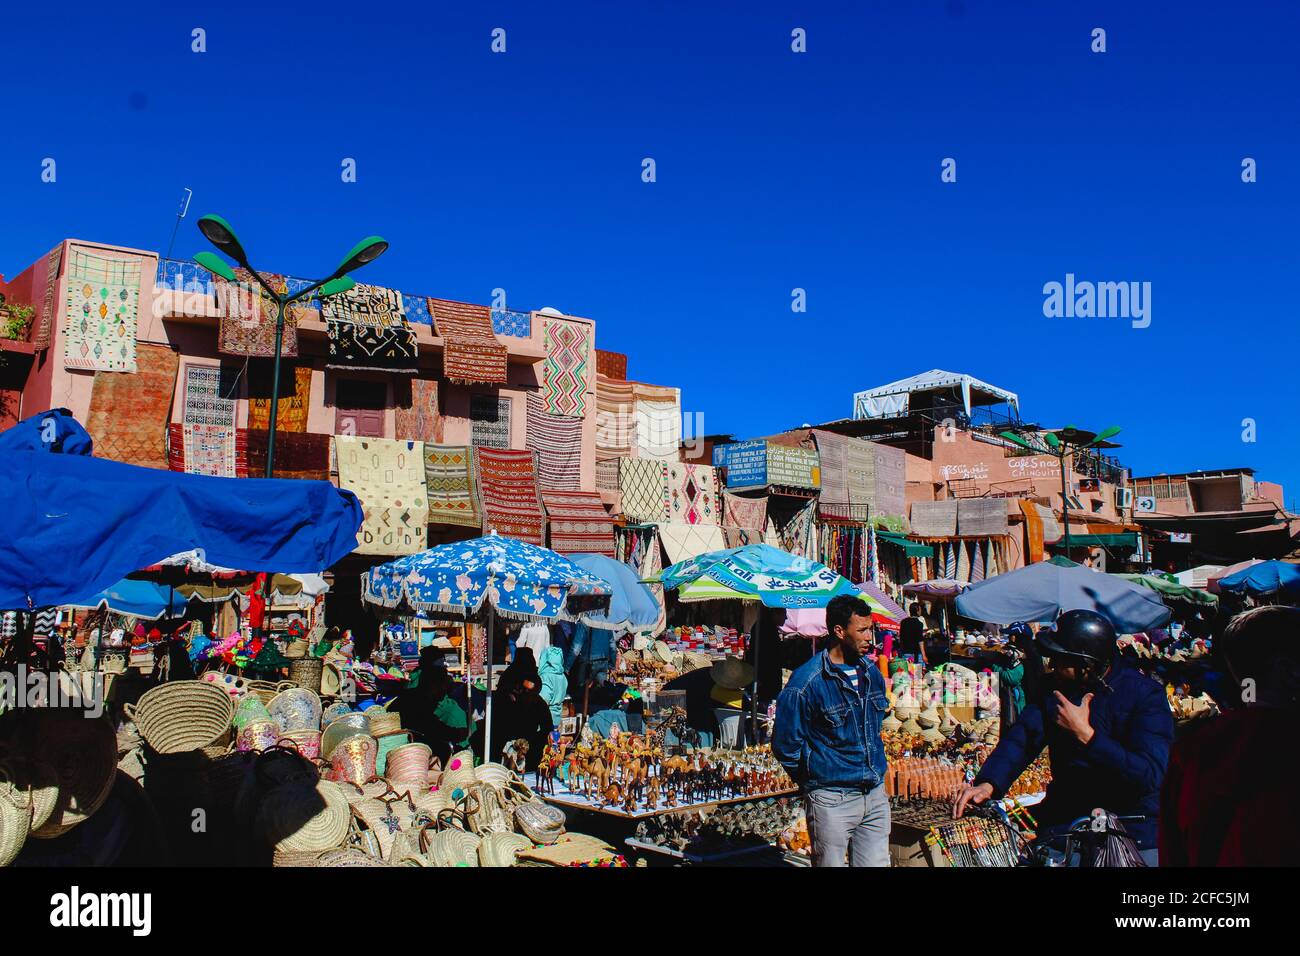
(72, 525)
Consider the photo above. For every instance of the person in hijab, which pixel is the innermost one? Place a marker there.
(518, 710)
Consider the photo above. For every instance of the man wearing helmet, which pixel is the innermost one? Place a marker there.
(1108, 728)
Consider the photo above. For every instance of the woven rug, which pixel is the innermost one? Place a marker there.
(417, 309)
(216, 450)
(101, 311)
(793, 467)
(860, 468)
(890, 480)
(745, 514)
(297, 455)
(981, 517)
(489, 421)
(615, 418)
(934, 519)
(797, 536)
(210, 396)
(450, 476)
(247, 324)
(658, 432)
(613, 364)
(607, 474)
(41, 338)
(683, 541)
(643, 483)
(294, 402)
(471, 353)
(517, 324)
(129, 414)
(511, 507)
(368, 329)
(692, 496)
(566, 371)
(416, 415)
(579, 522)
(832, 454)
(388, 477)
(558, 443)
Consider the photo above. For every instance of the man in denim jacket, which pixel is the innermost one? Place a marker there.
(828, 739)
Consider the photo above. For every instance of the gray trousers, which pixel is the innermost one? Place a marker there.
(848, 829)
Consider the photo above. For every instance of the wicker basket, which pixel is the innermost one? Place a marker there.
(296, 649)
(82, 753)
(265, 690)
(383, 721)
(306, 742)
(15, 816)
(181, 715)
(445, 844)
(306, 673)
(459, 774)
(298, 708)
(501, 849)
(297, 817)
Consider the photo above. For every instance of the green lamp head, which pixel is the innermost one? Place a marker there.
(214, 264)
(364, 252)
(222, 235)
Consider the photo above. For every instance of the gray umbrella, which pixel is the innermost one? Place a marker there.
(1041, 592)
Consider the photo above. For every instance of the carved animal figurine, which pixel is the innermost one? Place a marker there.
(514, 755)
(598, 775)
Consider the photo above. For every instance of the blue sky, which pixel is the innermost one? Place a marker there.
(775, 171)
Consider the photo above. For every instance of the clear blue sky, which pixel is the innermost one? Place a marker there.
(775, 170)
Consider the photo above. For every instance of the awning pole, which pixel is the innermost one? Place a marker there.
(487, 720)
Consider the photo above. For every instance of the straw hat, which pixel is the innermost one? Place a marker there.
(928, 718)
(910, 726)
(664, 652)
(732, 673)
(695, 661)
(298, 817)
(384, 722)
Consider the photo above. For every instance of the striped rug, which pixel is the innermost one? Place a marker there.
(508, 483)
(450, 475)
(471, 352)
(558, 443)
(579, 522)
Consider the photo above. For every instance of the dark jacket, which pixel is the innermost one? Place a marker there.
(827, 735)
(1121, 768)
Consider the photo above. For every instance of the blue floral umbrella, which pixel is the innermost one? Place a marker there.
(515, 580)
(775, 577)
(520, 581)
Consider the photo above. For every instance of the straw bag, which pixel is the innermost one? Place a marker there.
(390, 817)
(501, 849)
(346, 856)
(298, 817)
(383, 721)
(534, 817)
(353, 761)
(259, 735)
(306, 672)
(331, 679)
(181, 715)
(297, 708)
(459, 774)
(265, 690)
(445, 844)
(496, 775)
(408, 767)
(15, 816)
(296, 649)
(31, 774)
(306, 742)
(486, 811)
(336, 731)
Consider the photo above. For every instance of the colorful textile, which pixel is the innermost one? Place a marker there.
(517, 324)
(890, 481)
(451, 479)
(508, 483)
(748, 514)
(658, 430)
(558, 443)
(489, 421)
(471, 353)
(388, 477)
(248, 317)
(210, 396)
(41, 337)
(416, 415)
(644, 486)
(977, 565)
(129, 414)
(797, 535)
(793, 467)
(692, 494)
(860, 472)
(832, 453)
(579, 522)
(368, 329)
(776, 578)
(934, 519)
(417, 309)
(101, 311)
(685, 541)
(303, 455)
(963, 560)
(612, 364)
(294, 402)
(520, 581)
(207, 450)
(566, 371)
(607, 474)
(981, 517)
(615, 422)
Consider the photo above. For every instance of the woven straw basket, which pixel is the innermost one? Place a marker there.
(306, 673)
(573, 848)
(501, 849)
(82, 754)
(15, 817)
(296, 817)
(459, 774)
(265, 690)
(182, 715)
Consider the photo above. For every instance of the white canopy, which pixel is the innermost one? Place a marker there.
(889, 401)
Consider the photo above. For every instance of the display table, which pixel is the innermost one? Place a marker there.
(564, 797)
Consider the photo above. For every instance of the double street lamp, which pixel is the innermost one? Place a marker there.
(1061, 444)
(219, 232)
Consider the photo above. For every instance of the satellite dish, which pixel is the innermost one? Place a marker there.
(549, 311)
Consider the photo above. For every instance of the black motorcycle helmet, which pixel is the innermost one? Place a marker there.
(1080, 636)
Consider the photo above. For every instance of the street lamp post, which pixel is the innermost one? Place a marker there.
(219, 232)
(1064, 444)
